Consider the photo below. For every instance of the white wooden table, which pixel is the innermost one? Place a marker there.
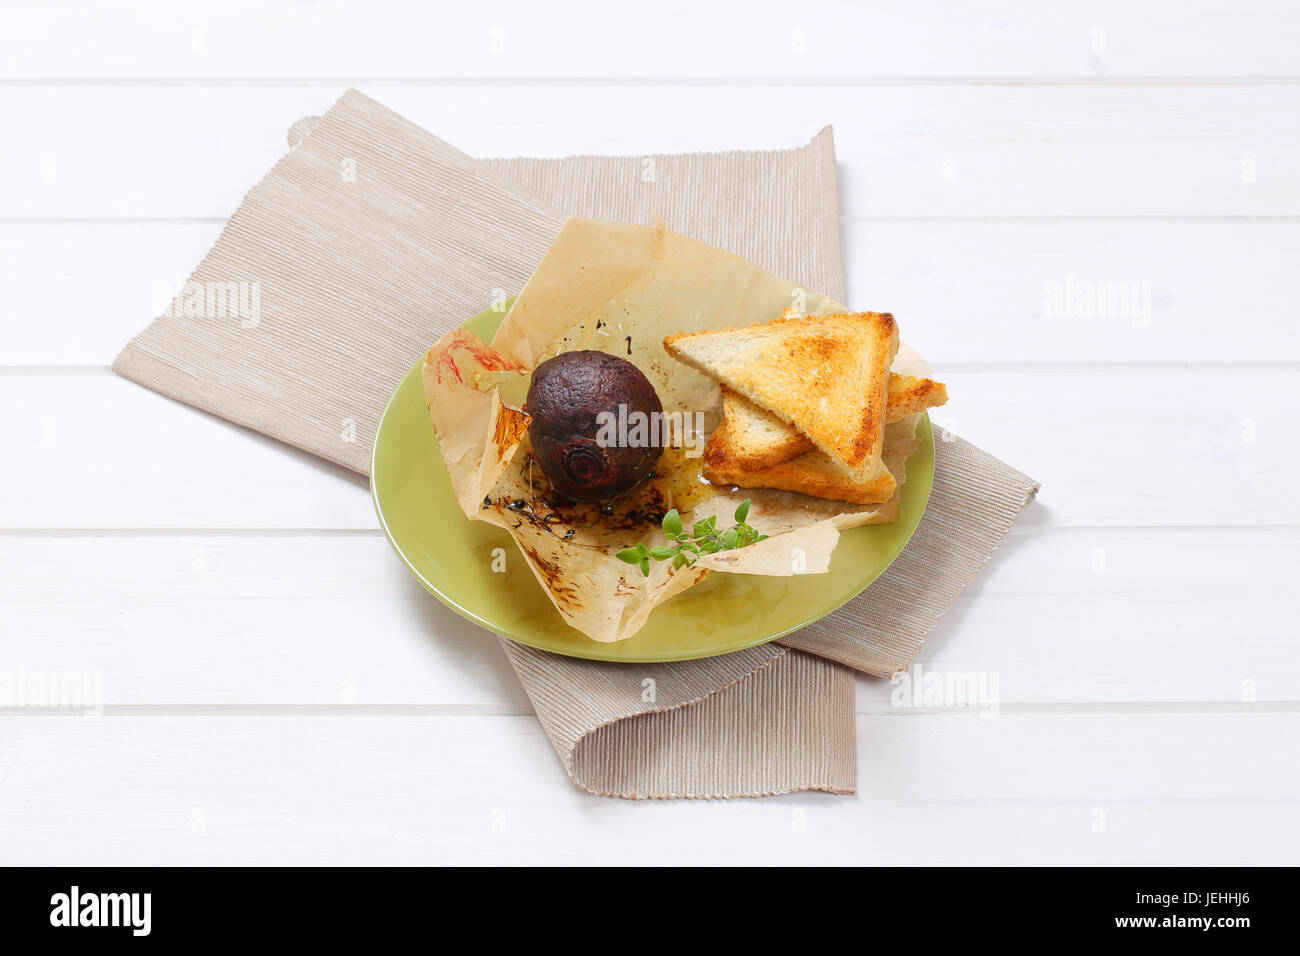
(275, 688)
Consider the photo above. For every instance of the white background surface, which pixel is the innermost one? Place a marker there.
(277, 689)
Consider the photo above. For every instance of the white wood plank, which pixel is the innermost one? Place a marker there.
(1020, 291)
(1118, 615)
(964, 290)
(391, 38)
(75, 294)
(1168, 789)
(249, 620)
(1160, 446)
(904, 151)
(98, 451)
(1095, 616)
(1168, 446)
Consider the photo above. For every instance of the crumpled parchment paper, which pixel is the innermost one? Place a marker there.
(621, 288)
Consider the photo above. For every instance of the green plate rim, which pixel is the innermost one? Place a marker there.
(914, 482)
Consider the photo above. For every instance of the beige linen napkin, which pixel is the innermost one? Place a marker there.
(372, 237)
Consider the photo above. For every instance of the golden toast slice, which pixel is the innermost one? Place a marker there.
(824, 375)
(755, 438)
(911, 395)
(814, 473)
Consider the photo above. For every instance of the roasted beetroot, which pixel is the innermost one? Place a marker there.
(595, 426)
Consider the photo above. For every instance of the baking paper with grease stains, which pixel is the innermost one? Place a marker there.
(620, 289)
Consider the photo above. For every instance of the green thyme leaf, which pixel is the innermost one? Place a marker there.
(703, 538)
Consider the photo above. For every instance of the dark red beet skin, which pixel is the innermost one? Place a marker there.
(566, 395)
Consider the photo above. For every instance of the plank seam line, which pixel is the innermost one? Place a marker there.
(17, 370)
(760, 81)
(196, 532)
(1062, 218)
(1077, 709)
(1026, 530)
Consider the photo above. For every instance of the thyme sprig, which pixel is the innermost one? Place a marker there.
(686, 547)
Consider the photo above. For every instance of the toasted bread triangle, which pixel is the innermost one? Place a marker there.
(824, 375)
(755, 438)
(814, 473)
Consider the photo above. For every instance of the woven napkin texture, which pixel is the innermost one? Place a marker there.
(372, 237)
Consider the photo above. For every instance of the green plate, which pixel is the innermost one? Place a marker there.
(453, 556)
